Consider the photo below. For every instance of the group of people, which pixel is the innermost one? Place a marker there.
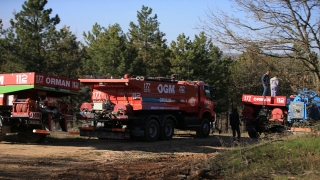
(234, 116)
(274, 83)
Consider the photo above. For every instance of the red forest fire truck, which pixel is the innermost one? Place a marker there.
(150, 108)
(30, 101)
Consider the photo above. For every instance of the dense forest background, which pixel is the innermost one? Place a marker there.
(33, 44)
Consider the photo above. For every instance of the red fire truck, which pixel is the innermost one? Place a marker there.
(150, 108)
(30, 101)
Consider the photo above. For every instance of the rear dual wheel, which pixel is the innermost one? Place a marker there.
(152, 131)
(2, 134)
(167, 130)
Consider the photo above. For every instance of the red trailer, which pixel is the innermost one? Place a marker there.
(30, 101)
(146, 107)
(295, 113)
(264, 114)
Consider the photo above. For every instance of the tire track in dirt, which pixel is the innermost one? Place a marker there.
(183, 157)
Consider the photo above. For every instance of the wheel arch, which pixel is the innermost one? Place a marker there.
(207, 115)
(168, 116)
(149, 117)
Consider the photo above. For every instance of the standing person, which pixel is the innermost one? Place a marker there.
(274, 83)
(265, 81)
(235, 123)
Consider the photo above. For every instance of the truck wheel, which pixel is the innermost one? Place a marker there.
(2, 135)
(27, 136)
(167, 130)
(152, 131)
(253, 134)
(204, 130)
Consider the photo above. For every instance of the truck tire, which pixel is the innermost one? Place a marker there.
(253, 134)
(152, 131)
(27, 136)
(167, 130)
(204, 129)
(2, 135)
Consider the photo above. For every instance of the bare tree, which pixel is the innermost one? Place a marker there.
(280, 28)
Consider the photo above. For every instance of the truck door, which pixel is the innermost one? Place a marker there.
(207, 99)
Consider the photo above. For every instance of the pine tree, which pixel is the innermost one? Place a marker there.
(65, 55)
(107, 49)
(34, 34)
(150, 42)
(181, 57)
(9, 48)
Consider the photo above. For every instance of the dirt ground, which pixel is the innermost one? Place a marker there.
(183, 157)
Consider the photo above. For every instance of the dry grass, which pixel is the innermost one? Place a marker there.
(290, 157)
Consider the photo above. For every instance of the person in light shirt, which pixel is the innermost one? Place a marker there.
(274, 83)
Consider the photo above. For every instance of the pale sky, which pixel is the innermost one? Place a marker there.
(176, 16)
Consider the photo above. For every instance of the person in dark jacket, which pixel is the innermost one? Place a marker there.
(235, 123)
(265, 81)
